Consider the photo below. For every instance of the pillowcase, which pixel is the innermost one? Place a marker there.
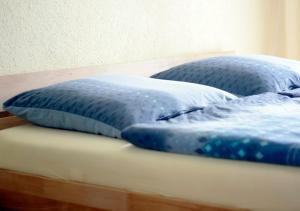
(107, 104)
(241, 75)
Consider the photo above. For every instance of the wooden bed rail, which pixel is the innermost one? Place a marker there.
(7, 120)
(20, 191)
(4, 114)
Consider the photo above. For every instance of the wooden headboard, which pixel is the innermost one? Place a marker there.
(11, 85)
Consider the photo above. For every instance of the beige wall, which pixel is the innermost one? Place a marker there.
(38, 35)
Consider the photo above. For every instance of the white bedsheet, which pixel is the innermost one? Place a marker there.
(104, 161)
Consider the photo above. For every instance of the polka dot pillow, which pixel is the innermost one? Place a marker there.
(108, 104)
(240, 75)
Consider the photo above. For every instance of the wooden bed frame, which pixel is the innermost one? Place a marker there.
(21, 191)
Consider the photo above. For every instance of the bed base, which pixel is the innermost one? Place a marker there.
(20, 191)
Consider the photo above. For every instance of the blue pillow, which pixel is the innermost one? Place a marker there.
(241, 75)
(107, 104)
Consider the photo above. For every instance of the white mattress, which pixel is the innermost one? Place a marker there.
(104, 161)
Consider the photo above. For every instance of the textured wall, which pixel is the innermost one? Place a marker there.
(39, 35)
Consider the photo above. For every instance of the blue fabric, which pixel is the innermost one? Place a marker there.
(260, 128)
(107, 104)
(291, 93)
(241, 75)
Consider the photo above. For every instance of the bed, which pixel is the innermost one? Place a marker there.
(43, 168)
